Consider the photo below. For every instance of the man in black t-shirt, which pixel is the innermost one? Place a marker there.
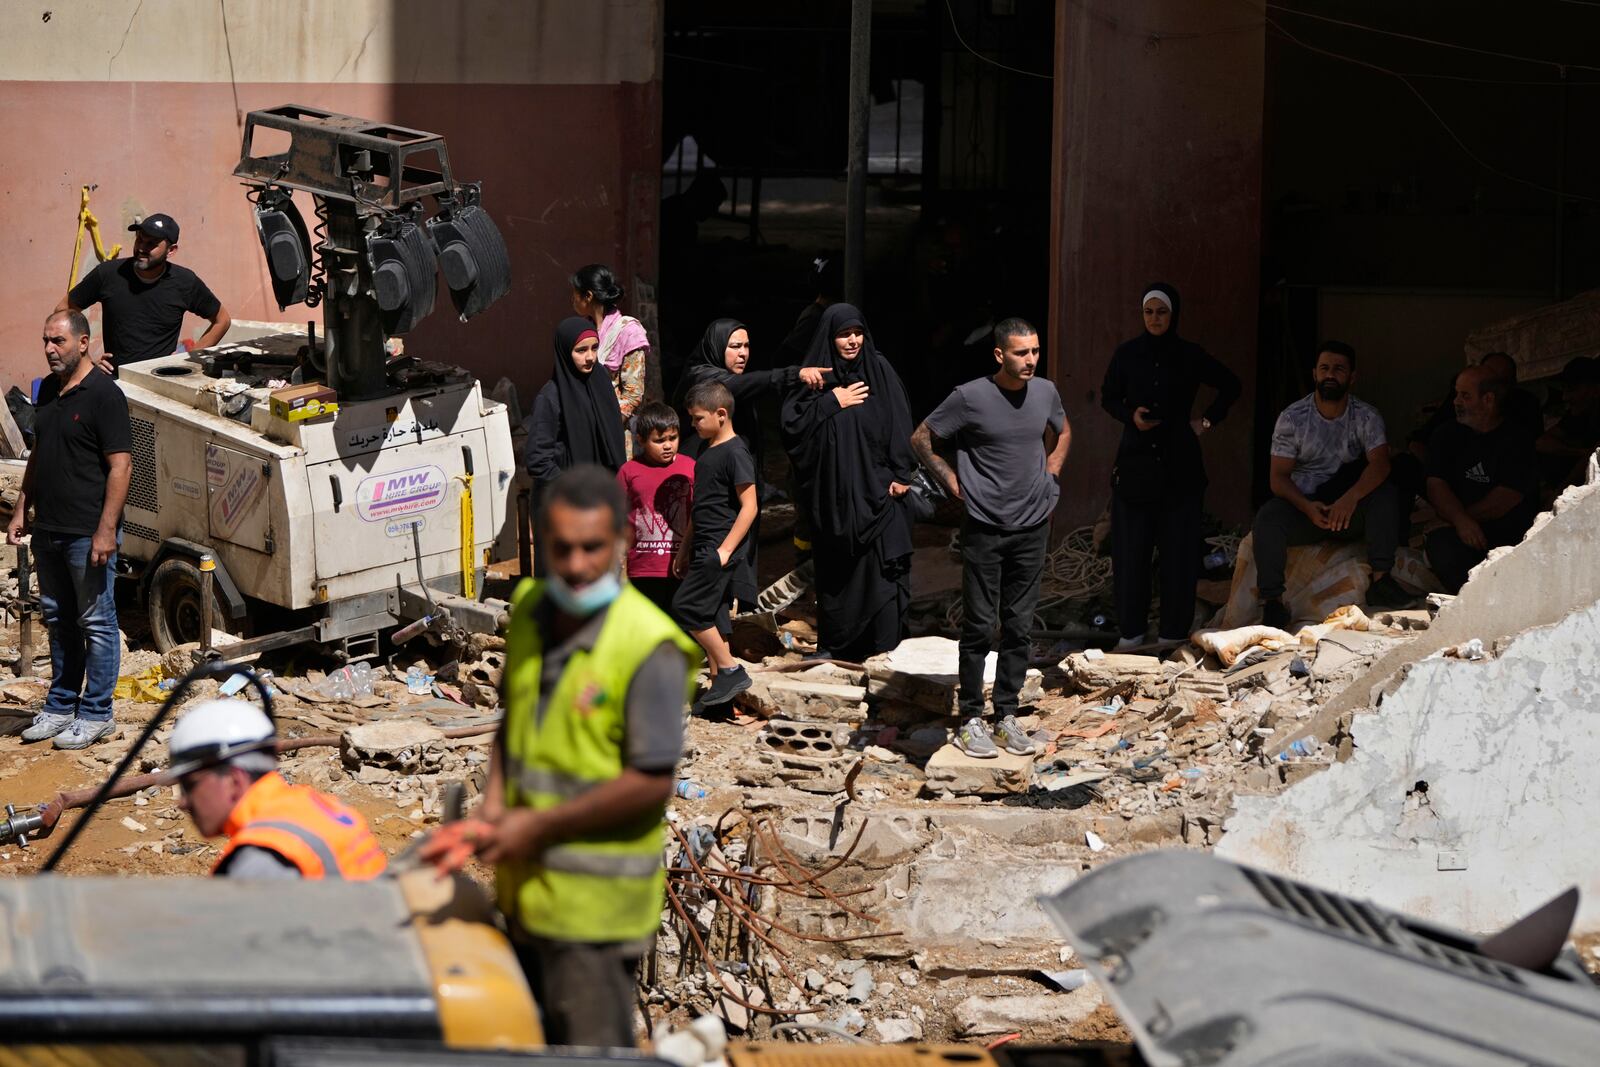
(1483, 478)
(76, 482)
(142, 299)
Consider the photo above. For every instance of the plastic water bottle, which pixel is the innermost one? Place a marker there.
(360, 679)
(688, 790)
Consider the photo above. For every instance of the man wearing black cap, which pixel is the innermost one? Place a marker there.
(143, 298)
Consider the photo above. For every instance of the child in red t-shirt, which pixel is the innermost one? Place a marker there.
(659, 484)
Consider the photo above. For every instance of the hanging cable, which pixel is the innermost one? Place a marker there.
(1440, 119)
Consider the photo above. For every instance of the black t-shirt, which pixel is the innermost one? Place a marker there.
(142, 319)
(1474, 463)
(74, 431)
(718, 474)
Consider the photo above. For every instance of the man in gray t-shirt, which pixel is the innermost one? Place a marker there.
(1011, 437)
(1330, 481)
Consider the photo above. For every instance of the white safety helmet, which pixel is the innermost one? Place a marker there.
(221, 731)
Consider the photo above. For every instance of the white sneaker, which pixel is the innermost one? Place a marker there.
(84, 732)
(46, 724)
(1128, 644)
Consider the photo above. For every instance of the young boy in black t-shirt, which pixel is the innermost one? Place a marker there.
(724, 510)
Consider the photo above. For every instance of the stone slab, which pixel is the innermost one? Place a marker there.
(951, 770)
(925, 671)
(1036, 1015)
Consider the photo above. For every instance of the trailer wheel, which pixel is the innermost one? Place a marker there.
(175, 606)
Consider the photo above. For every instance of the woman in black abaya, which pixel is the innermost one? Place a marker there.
(575, 416)
(1159, 482)
(851, 447)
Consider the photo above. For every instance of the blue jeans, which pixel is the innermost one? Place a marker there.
(81, 615)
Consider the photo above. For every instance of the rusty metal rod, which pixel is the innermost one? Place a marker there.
(710, 967)
(733, 906)
(25, 650)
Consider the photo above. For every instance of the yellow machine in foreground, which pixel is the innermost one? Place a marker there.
(188, 970)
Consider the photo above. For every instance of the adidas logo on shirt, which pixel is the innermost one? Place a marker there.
(1476, 473)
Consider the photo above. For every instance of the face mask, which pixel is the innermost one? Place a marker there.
(584, 602)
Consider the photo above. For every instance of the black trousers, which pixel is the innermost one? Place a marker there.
(1451, 559)
(1000, 574)
(1279, 524)
(1171, 525)
(585, 992)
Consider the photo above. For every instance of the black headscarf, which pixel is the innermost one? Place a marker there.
(709, 361)
(845, 458)
(591, 421)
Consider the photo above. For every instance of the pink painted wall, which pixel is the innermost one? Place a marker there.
(570, 173)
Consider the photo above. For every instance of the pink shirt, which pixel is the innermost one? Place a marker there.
(659, 500)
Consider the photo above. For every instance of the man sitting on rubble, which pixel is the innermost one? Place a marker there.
(222, 758)
(1483, 478)
(1330, 480)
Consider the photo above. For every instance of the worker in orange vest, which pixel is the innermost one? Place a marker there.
(222, 757)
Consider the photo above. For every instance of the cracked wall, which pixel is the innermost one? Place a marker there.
(1471, 796)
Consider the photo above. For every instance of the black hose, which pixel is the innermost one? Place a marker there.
(209, 669)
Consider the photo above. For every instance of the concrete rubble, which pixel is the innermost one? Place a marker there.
(837, 861)
(1467, 788)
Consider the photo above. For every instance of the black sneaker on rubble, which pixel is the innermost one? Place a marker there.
(1387, 593)
(1274, 614)
(728, 683)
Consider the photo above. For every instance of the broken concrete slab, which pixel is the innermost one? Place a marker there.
(887, 838)
(1469, 798)
(1550, 573)
(951, 770)
(964, 914)
(807, 773)
(924, 671)
(1088, 672)
(796, 697)
(1036, 1015)
(404, 745)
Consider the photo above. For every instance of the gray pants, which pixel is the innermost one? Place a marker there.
(1280, 524)
(585, 992)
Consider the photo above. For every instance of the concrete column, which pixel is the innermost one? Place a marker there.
(1157, 176)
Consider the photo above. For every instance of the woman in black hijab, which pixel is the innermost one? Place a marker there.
(851, 447)
(1158, 484)
(575, 417)
(724, 356)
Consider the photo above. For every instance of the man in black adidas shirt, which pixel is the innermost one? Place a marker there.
(1483, 479)
(76, 483)
(142, 298)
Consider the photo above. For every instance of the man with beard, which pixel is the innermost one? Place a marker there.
(142, 298)
(76, 482)
(1483, 478)
(1330, 479)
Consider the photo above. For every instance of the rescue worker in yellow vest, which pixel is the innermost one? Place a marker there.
(221, 756)
(594, 688)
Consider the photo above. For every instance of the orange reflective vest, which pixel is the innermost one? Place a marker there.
(313, 831)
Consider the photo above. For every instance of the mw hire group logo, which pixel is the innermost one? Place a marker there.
(384, 496)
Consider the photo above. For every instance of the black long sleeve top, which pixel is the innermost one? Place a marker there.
(1165, 378)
